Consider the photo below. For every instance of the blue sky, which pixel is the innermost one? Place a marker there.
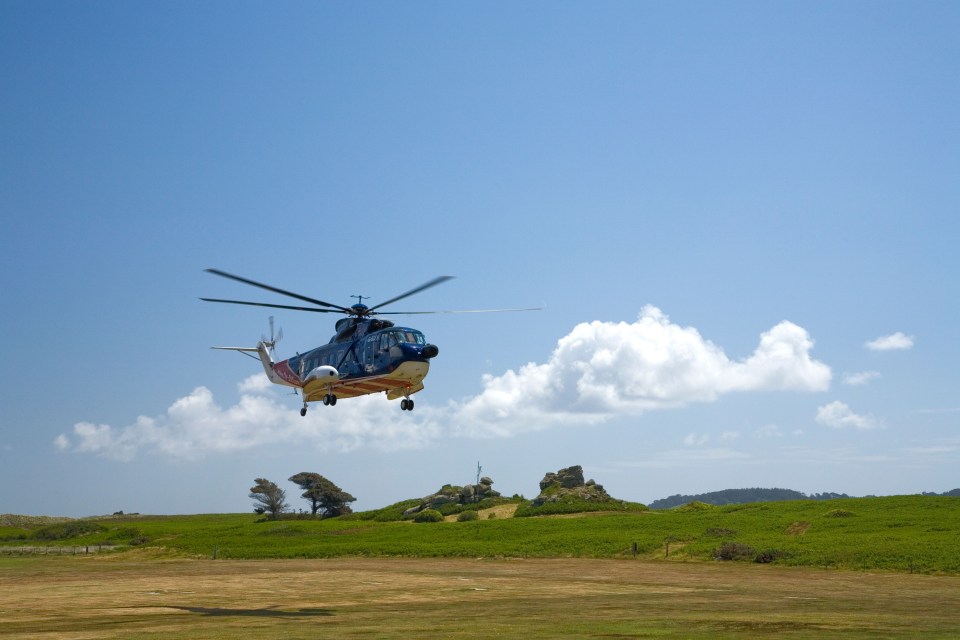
(740, 217)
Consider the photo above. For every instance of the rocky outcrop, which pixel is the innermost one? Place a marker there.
(569, 483)
(453, 494)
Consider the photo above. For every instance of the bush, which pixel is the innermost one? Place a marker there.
(73, 529)
(838, 513)
(570, 504)
(696, 505)
(734, 551)
(467, 516)
(428, 515)
(770, 555)
(392, 513)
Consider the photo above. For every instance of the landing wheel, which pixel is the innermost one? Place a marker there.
(406, 404)
(303, 412)
(329, 400)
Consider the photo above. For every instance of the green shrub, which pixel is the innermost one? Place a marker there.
(428, 515)
(570, 504)
(467, 516)
(838, 513)
(66, 530)
(696, 505)
(392, 513)
(450, 508)
(770, 555)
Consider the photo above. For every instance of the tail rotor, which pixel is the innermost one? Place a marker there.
(274, 338)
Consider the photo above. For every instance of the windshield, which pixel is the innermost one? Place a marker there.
(410, 336)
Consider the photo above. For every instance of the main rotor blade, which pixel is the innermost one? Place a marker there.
(414, 313)
(272, 306)
(253, 283)
(425, 285)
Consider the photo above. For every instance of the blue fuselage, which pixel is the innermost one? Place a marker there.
(367, 354)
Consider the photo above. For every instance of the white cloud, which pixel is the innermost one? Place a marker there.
(860, 378)
(604, 369)
(195, 425)
(597, 372)
(838, 416)
(893, 342)
(257, 383)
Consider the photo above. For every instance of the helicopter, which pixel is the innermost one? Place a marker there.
(366, 354)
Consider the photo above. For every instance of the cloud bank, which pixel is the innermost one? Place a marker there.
(195, 425)
(599, 371)
(602, 369)
(893, 342)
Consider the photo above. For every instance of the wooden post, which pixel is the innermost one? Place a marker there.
(668, 550)
(216, 548)
(633, 548)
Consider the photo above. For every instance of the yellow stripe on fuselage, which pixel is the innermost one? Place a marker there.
(406, 379)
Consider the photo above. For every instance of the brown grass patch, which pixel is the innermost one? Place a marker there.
(797, 529)
(132, 596)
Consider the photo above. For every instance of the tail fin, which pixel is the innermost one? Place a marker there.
(263, 351)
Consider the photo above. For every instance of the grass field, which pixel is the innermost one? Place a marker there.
(852, 568)
(911, 534)
(141, 596)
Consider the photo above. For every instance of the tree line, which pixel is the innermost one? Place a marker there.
(325, 498)
(742, 496)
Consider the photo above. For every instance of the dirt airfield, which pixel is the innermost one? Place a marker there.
(126, 596)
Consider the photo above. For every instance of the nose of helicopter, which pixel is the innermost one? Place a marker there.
(430, 351)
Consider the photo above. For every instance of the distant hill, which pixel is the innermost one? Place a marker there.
(742, 496)
(953, 493)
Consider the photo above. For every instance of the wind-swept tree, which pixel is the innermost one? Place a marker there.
(268, 498)
(324, 496)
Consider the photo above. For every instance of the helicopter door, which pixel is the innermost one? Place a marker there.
(383, 343)
(370, 344)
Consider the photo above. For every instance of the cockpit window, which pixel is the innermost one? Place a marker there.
(401, 336)
(411, 337)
